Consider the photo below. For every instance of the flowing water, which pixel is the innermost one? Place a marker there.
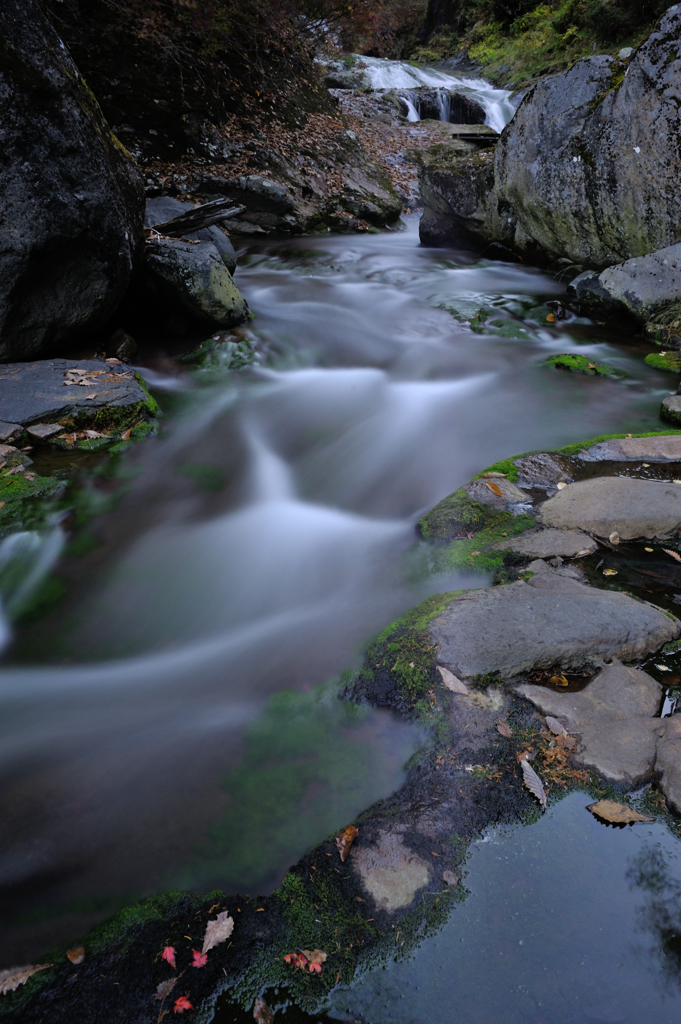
(171, 722)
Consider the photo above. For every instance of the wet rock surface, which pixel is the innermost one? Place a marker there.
(71, 199)
(549, 544)
(642, 286)
(391, 873)
(195, 279)
(495, 492)
(603, 505)
(158, 211)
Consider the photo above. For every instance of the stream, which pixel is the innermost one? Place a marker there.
(172, 722)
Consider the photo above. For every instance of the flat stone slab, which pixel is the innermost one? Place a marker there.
(51, 389)
(545, 621)
(391, 873)
(548, 544)
(654, 449)
(634, 508)
(486, 492)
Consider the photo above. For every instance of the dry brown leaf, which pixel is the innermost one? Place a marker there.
(165, 988)
(616, 814)
(76, 955)
(494, 488)
(217, 931)
(569, 742)
(674, 554)
(532, 781)
(261, 1012)
(315, 956)
(551, 318)
(614, 537)
(504, 729)
(15, 976)
(561, 485)
(610, 572)
(345, 840)
(125, 436)
(560, 680)
(556, 727)
(451, 681)
(498, 476)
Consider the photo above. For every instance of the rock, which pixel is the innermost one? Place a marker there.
(662, 448)
(548, 620)
(543, 469)
(482, 492)
(601, 505)
(36, 392)
(43, 431)
(456, 199)
(588, 167)
(548, 544)
(444, 105)
(71, 199)
(670, 409)
(614, 717)
(667, 336)
(391, 873)
(10, 431)
(669, 762)
(195, 278)
(122, 345)
(642, 286)
(158, 211)
(341, 77)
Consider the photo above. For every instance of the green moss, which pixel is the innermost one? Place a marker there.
(506, 466)
(457, 515)
(580, 364)
(575, 449)
(470, 555)
(218, 356)
(24, 500)
(670, 361)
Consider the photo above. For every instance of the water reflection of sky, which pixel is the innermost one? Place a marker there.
(568, 921)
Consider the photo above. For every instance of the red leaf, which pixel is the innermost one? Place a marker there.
(199, 958)
(315, 967)
(504, 729)
(182, 1004)
(169, 955)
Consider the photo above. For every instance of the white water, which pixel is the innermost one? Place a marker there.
(397, 75)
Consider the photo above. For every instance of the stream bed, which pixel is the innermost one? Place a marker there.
(167, 724)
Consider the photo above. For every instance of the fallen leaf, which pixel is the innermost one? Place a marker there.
(93, 395)
(94, 433)
(551, 319)
(674, 554)
(591, 366)
(560, 485)
(569, 742)
(125, 436)
(11, 472)
(30, 476)
(451, 681)
(614, 537)
(615, 813)
(76, 955)
(532, 781)
(182, 1004)
(169, 955)
(556, 727)
(646, 465)
(261, 1012)
(494, 488)
(450, 878)
(217, 931)
(610, 572)
(649, 549)
(15, 976)
(493, 473)
(345, 840)
(504, 729)
(165, 988)
(199, 958)
(315, 956)
(663, 668)
(560, 680)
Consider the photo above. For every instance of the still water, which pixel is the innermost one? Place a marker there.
(256, 544)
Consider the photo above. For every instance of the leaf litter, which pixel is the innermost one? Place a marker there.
(217, 931)
(15, 976)
(615, 813)
(532, 781)
(345, 840)
(451, 681)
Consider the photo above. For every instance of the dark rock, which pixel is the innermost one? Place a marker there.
(456, 200)
(548, 620)
(194, 277)
(663, 448)
(71, 199)
(37, 392)
(543, 469)
(670, 409)
(669, 762)
(606, 504)
(642, 286)
(122, 345)
(258, 195)
(445, 105)
(482, 492)
(548, 544)
(163, 209)
(10, 432)
(341, 77)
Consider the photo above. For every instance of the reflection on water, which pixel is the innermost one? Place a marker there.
(550, 933)
(258, 543)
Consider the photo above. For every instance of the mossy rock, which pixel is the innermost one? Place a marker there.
(580, 364)
(670, 361)
(457, 515)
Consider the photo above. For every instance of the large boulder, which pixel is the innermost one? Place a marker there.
(194, 278)
(71, 199)
(589, 165)
(642, 286)
(616, 504)
(456, 200)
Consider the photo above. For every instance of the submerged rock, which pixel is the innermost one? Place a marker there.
(71, 199)
(613, 717)
(642, 286)
(548, 620)
(603, 505)
(195, 278)
(548, 544)
(391, 873)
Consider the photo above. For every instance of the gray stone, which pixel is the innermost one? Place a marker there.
(669, 761)
(548, 543)
(642, 286)
(10, 431)
(391, 873)
(479, 491)
(44, 430)
(548, 620)
(613, 717)
(670, 409)
(663, 448)
(36, 392)
(71, 198)
(257, 194)
(455, 199)
(196, 278)
(340, 77)
(163, 209)
(543, 469)
(632, 508)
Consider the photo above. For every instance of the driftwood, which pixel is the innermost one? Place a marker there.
(200, 217)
